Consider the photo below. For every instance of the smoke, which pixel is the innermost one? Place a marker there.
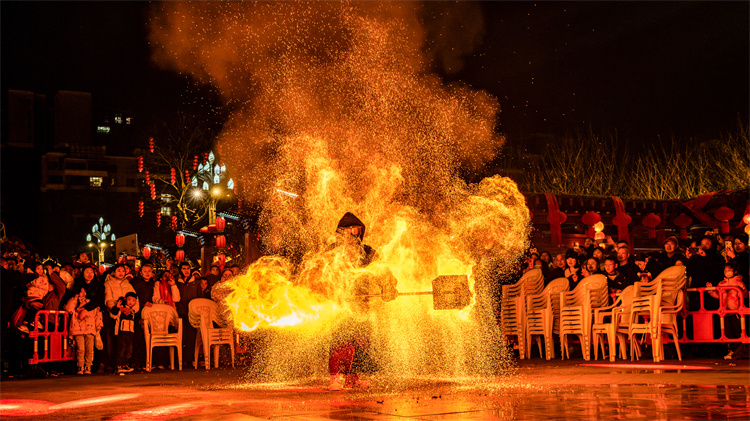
(339, 103)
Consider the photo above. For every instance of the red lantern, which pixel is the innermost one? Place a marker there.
(221, 223)
(746, 219)
(153, 190)
(172, 176)
(140, 164)
(591, 219)
(146, 252)
(724, 214)
(682, 221)
(195, 162)
(179, 240)
(180, 255)
(174, 222)
(205, 156)
(221, 241)
(158, 219)
(140, 209)
(148, 178)
(151, 144)
(651, 221)
(187, 177)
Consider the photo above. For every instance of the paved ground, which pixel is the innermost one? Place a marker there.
(536, 389)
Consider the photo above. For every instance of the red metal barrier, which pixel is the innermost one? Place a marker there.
(698, 325)
(49, 332)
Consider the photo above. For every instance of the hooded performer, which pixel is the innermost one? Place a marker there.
(351, 358)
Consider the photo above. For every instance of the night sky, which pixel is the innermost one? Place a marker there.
(646, 69)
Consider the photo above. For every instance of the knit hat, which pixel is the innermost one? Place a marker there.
(673, 239)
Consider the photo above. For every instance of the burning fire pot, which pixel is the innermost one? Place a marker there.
(449, 292)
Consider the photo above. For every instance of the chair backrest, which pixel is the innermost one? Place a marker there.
(203, 310)
(673, 279)
(550, 294)
(160, 317)
(591, 289)
(648, 288)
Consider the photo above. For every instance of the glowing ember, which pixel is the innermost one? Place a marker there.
(334, 101)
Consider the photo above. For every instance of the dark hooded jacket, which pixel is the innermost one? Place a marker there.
(349, 220)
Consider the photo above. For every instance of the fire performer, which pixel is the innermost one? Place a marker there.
(351, 358)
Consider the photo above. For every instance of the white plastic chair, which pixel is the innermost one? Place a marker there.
(668, 325)
(611, 321)
(644, 316)
(513, 306)
(156, 322)
(576, 311)
(543, 316)
(203, 313)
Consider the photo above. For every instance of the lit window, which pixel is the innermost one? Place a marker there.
(95, 181)
(118, 119)
(128, 120)
(166, 211)
(102, 129)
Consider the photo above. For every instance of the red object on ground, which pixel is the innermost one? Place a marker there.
(51, 341)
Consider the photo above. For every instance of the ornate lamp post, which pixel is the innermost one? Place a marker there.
(209, 183)
(101, 232)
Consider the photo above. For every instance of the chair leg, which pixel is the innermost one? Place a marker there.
(216, 355)
(611, 344)
(207, 353)
(179, 356)
(196, 349)
(595, 342)
(231, 349)
(171, 358)
(149, 354)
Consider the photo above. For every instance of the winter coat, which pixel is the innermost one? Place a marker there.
(52, 298)
(91, 322)
(173, 290)
(114, 289)
(38, 288)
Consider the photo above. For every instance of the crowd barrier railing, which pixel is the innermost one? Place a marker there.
(698, 322)
(49, 334)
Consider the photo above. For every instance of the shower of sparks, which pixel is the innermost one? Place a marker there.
(336, 101)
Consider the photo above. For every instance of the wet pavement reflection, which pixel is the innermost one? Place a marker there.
(532, 391)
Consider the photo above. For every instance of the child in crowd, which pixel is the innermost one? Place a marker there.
(732, 300)
(124, 330)
(644, 275)
(84, 325)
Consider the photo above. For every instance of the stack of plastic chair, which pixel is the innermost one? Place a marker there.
(644, 315)
(613, 321)
(156, 322)
(543, 316)
(673, 280)
(576, 311)
(204, 315)
(668, 325)
(513, 306)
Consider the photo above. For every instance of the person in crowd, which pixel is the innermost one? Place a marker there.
(13, 280)
(626, 264)
(82, 260)
(615, 280)
(115, 288)
(143, 285)
(124, 314)
(546, 257)
(705, 266)
(670, 253)
(572, 268)
(558, 267)
(645, 274)
(738, 253)
(530, 262)
(166, 290)
(84, 325)
(204, 288)
(731, 298)
(590, 267)
(235, 269)
(187, 283)
(588, 246)
(598, 254)
(214, 274)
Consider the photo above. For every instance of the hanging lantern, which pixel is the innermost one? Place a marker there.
(153, 191)
(599, 229)
(148, 178)
(158, 219)
(140, 164)
(180, 255)
(140, 209)
(187, 177)
(651, 221)
(151, 144)
(590, 219)
(179, 240)
(724, 214)
(682, 221)
(221, 223)
(221, 241)
(172, 176)
(195, 162)
(174, 222)
(146, 252)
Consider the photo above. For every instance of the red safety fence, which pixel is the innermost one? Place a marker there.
(700, 324)
(49, 332)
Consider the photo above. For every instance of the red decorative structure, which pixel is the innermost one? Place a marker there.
(140, 164)
(221, 223)
(195, 163)
(555, 218)
(140, 209)
(221, 241)
(158, 219)
(152, 187)
(179, 240)
(622, 220)
(591, 219)
(146, 252)
(180, 255)
(724, 214)
(683, 221)
(187, 177)
(52, 336)
(172, 176)
(151, 144)
(174, 222)
(651, 221)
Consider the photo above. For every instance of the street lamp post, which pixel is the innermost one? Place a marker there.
(210, 179)
(100, 232)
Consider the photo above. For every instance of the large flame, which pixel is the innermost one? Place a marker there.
(335, 102)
